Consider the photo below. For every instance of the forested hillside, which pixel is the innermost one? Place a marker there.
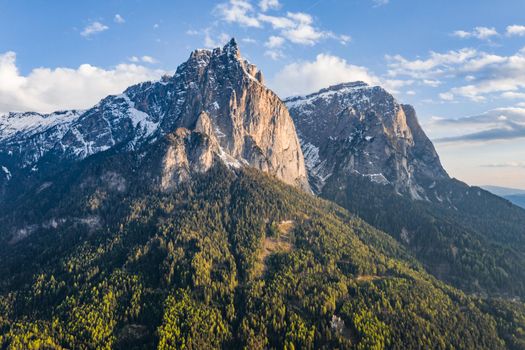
(462, 245)
(368, 152)
(224, 260)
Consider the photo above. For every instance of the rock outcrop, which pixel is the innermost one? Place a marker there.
(356, 129)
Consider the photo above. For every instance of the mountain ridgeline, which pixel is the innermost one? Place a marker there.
(215, 106)
(180, 214)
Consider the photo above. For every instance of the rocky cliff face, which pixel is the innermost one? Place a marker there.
(355, 129)
(215, 107)
(221, 97)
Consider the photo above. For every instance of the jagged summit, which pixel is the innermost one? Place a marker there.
(232, 48)
(356, 129)
(249, 123)
(331, 88)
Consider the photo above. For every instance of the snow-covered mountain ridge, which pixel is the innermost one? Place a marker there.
(248, 123)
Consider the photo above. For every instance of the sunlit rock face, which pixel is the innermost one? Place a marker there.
(356, 129)
(214, 108)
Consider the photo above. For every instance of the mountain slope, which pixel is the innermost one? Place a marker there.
(227, 259)
(216, 94)
(368, 153)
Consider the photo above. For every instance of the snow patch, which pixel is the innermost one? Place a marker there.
(31, 123)
(352, 92)
(377, 178)
(7, 173)
(311, 155)
(228, 159)
(140, 119)
(315, 166)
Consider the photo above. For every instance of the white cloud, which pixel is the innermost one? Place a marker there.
(303, 32)
(266, 5)
(211, 42)
(148, 59)
(238, 11)
(431, 82)
(145, 59)
(274, 42)
(345, 39)
(309, 76)
(505, 165)
(296, 27)
(484, 32)
(446, 96)
(119, 19)
(433, 66)
(274, 54)
(497, 124)
(493, 74)
(93, 28)
(277, 22)
(511, 95)
(47, 90)
(462, 34)
(481, 33)
(393, 85)
(193, 32)
(485, 73)
(249, 40)
(515, 29)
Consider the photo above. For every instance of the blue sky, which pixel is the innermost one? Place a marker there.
(460, 63)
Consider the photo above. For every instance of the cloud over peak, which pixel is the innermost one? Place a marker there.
(309, 76)
(238, 11)
(295, 27)
(46, 90)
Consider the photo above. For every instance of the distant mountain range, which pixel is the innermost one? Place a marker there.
(514, 195)
(201, 211)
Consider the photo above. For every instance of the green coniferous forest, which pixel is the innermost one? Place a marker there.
(229, 259)
(475, 244)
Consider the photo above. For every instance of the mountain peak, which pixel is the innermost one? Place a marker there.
(351, 84)
(354, 129)
(232, 48)
(216, 97)
(341, 88)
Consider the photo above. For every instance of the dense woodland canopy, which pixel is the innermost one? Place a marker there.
(226, 260)
(474, 240)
